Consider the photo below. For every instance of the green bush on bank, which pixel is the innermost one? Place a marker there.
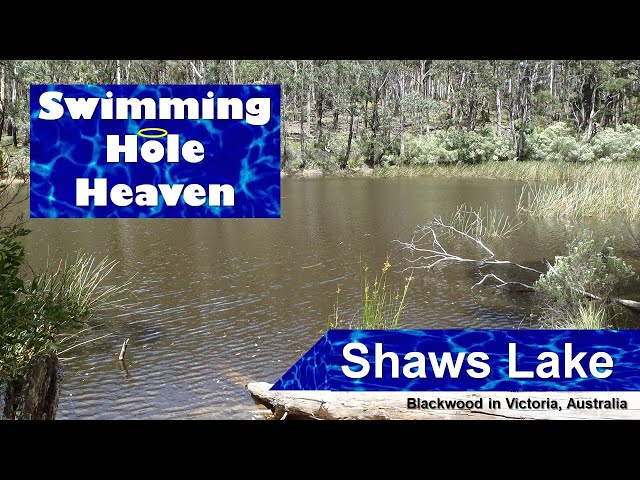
(588, 267)
(457, 146)
(36, 313)
(555, 143)
(581, 285)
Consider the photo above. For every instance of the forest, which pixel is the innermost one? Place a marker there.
(339, 114)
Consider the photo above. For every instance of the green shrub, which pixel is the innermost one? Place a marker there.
(588, 267)
(622, 145)
(457, 146)
(34, 313)
(557, 143)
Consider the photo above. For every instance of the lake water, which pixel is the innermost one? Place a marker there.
(218, 303)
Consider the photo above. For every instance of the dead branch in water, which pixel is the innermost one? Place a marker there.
(428, 251)
(505, 284)
(123, 350)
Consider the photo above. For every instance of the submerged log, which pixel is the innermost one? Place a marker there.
(328, 405)
(629, 303)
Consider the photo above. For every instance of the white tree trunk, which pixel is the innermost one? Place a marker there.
(498, 112)
(402, 86)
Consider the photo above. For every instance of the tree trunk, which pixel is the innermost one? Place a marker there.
(35, 397)
(592, 114)
(233, 70)
(345, 160)
(14, 135)
(373, 147)
(309, 112)
(2, 86)
(302, 159)
(118, 72)
(283, 125)
(319, 112)
(498, 112)
(565, 88)
(427, 126)
(14, 85)
(336, 118)
(366, 112)
(2, 103)
(402, 86)
(334, 405)
(525, 90)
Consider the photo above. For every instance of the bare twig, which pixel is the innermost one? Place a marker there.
(503, 283)
(438, 222)
(123, 350)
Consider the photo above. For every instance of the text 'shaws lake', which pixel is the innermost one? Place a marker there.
(566, 364)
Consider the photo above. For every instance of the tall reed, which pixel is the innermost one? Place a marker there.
(601, 196)
(382, 306)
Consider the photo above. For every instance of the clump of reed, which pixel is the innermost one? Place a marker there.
(382, 305)
(531, 171)
(587, 316)
(601, 195)
(484, 222)
(76, 284)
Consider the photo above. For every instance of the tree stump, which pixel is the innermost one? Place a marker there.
(35, 396)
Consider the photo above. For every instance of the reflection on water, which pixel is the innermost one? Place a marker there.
(218, 303)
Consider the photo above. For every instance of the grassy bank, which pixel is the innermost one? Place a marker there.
(532, 171)
(595, 196)
(553, 189)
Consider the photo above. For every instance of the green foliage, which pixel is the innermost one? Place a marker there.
(457, 146)
(620, 145)
(14, 161)
(34, 313)
(558, 143)
(382, 306)
(588, 267)
(580, 286)
(589, 317)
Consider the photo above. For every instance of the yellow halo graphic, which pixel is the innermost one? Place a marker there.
(163, 132)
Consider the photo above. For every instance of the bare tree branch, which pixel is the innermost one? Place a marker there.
(503, 283)
(431, 252)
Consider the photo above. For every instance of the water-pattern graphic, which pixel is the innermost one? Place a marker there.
(320, 368)
(242, 155)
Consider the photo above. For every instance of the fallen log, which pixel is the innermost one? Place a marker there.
(329, 405)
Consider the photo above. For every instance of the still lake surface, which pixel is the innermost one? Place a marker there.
(218, 303)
